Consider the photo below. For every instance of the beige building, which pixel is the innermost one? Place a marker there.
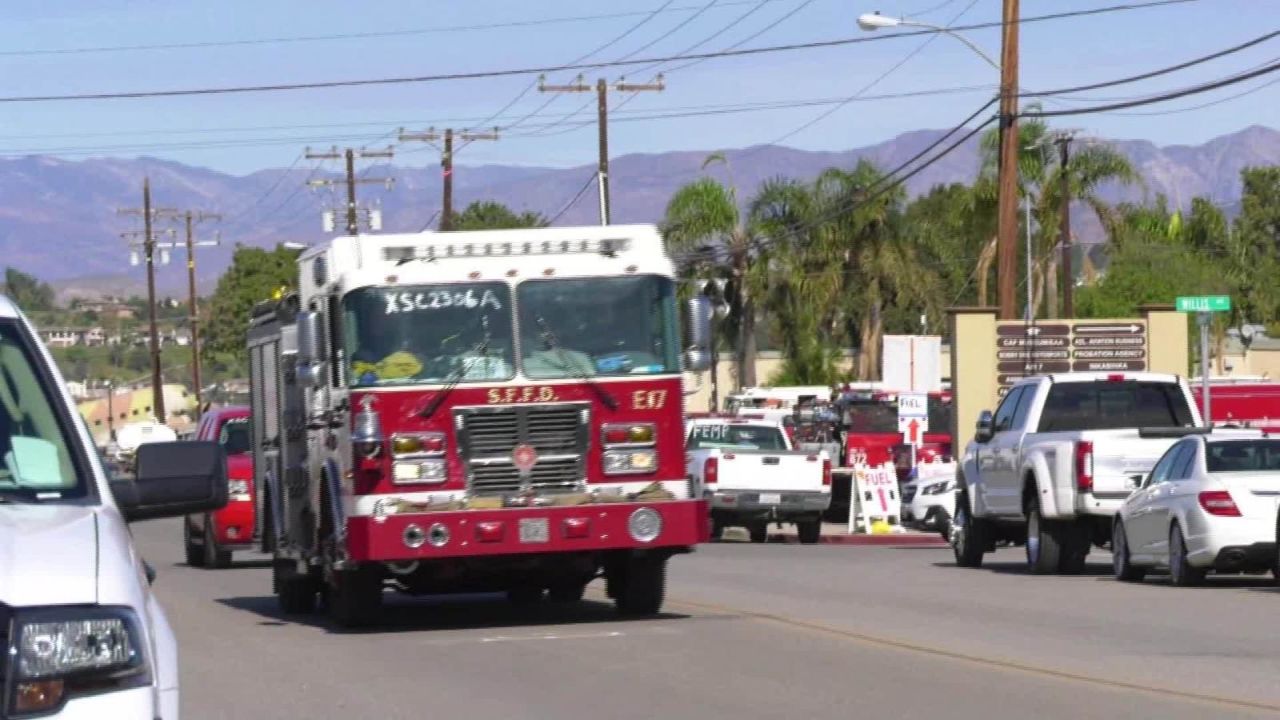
(1260, 358)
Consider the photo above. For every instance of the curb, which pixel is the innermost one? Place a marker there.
(870, 540)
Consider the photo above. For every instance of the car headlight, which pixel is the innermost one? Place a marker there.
(418, 471)
(937, 488)
(630, 462)
(237, 487)
(57, 653)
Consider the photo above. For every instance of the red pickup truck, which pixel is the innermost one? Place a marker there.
(210, 538)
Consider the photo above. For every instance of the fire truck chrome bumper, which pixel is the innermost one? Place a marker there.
(523, 530)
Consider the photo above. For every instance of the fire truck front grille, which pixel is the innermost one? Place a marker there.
(547, 476)
(559, 434)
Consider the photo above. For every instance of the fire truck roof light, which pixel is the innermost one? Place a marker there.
(405, 253)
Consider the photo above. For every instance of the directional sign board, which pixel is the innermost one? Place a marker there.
(1029, 349)
(1203, 303)
(914, 405)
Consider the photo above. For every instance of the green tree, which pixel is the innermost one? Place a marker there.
(255, 274)
(703, 221)
(26, 291)
(489, 215)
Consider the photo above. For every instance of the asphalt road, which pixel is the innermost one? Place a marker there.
(753, 631)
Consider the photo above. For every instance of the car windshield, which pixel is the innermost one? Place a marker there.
(1113, 405)
(36, 462)
(873, 416)
(598, 326)
(234, 437)
(429, 333)
(1228, 456)
(744, 437)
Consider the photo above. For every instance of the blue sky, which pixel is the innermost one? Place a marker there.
(1054, 54)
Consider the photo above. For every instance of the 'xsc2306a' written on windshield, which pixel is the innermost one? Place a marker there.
(405, 302)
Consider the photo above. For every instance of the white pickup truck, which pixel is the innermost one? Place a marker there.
(752, 476)
(1052, 466)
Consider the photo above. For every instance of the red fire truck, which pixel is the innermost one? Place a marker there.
(871, 436)
(475, 412)
(1250, 403)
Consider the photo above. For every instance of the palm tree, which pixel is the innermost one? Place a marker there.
(704, 214)
(1040, 176)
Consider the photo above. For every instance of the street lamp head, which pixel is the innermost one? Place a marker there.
(876, 21)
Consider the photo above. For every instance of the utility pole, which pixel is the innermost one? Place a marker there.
(446, 161)
(1007, 203)
(602, 120)
(352, 211)
(1068, 279)
(148, 246)
(191, 218)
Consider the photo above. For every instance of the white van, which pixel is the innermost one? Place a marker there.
(81, 635)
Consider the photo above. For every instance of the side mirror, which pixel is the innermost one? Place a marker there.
(308, 338)
(985, 428)
(697, 331)
(174, 479)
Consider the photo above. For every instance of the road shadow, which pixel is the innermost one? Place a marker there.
(1020, 568)
(453, 612)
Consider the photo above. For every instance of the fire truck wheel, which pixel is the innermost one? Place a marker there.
(759, 532)
(354, 597)
(717, 530)
(214, 556)
(295, 592)
(195, 553)
(567, 593)
(810, 531)
(643, 586)
(524, 595)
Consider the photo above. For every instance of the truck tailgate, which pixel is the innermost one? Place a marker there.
(1118, 455)
(770, 470)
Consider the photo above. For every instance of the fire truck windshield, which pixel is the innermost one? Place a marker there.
(598, 326)
(427, 333)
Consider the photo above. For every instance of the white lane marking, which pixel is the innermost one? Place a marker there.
(576, 636)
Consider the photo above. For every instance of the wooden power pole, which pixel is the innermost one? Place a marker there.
(191, 218)
(602, 121)
(446, 161)
(1007, 202)
(350, 155)
(148, 247)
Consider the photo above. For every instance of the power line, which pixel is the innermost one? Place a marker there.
(535, 70)
(1160, 71)
(649, 15)
(586, 186)
(355, 36)
(1201, 106)
(1162, 97)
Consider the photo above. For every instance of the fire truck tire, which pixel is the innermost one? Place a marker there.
(355, 596)
(759, 532)
(717, 530)
(214, 556)
(643, 586)
(195, 553)
(525, 595)
(810, 531)
(295, 592)
(567, 593)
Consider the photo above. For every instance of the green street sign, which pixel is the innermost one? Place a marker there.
(1204, 303)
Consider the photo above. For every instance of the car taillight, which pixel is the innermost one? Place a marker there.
(711, 471)
(1219, 502)
(1116, 378)
(1084, 466)
(826, 473)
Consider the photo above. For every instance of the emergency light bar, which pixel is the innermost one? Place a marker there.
(404, 253)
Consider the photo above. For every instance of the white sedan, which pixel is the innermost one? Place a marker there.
(1209, 504)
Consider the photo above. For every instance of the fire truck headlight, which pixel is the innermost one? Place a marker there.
(419, 471)
(238, 489)
(645, 524)
(630, 462)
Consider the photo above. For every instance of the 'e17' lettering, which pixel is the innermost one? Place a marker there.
(649, 399)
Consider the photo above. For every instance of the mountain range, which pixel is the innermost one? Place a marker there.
(59, 221)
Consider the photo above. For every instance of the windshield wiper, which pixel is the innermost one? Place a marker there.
(455, 377)
(567, 363)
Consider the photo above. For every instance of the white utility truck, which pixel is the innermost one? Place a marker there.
(1053, 465)
(752, 475)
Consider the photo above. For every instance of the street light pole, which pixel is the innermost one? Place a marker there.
(1007, 182)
